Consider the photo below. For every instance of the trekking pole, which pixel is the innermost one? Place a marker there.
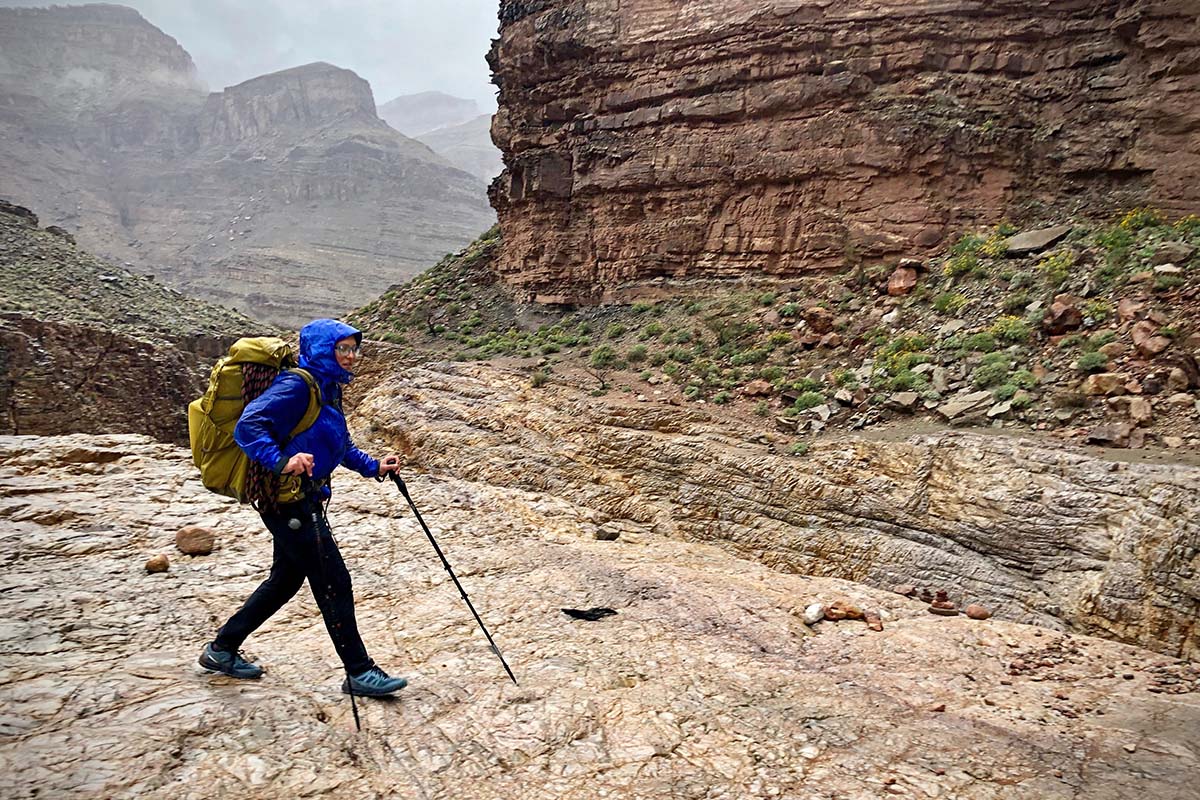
(310, 500)
(462, 592)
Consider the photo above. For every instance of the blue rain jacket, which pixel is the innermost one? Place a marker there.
(270, 417)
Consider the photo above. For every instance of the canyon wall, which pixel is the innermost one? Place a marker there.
(644, 138)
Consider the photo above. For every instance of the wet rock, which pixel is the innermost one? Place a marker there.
(158, 563)
(194, 540)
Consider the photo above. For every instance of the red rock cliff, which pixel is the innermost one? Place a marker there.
(646, 138)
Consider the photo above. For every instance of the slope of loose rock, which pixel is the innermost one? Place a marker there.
(91, 347)
(705, 683)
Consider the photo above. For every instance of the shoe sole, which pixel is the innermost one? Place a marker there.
(213, 666)
(356, 693)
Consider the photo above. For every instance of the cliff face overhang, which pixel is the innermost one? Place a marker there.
(646, 139)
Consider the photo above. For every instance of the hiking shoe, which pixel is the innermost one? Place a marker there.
(231, 664)
(373, 683)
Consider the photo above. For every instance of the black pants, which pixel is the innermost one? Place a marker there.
(307, 552)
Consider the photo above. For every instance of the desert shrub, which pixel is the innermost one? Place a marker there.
(636, 354)
(615, 331)
(789, 310)
(539, 378)
(1098, 309)
(680, 354)
(1056, 266)
(1004, 391)
(950, 302)
(603, 357)
(799, 448)
(756, 355)
(1011, 329)
(761, 409)
(962, 264)
(804, 385)
(982, 342)
(722, 397)
(650, 331)
(992, 370)
(1023, 379)
(766, 299)
(641, 308)
(808, 400)
(1139, 218)
(1092, 362)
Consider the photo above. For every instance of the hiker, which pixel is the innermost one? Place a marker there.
(303, 543)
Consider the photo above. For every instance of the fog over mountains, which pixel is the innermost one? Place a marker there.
(285, 196)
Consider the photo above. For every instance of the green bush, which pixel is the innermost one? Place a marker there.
(1098, 340)
(764, 299)
(982, 342)
(992, 370)
(779, 338)
(950, 302)
(804, 385)
(761, 409)
(1016, 301)
(1056, 266)
(799, 448)
(1139, 218)
(808, 400)
(844, 378)
(1092, 362)
(1004, 391)
(641, 308)
(681, 354)
(615, 331)
(539, 378)
(907, 380)
(790, 310)
(755, 356)
(1011, 329)
(1024, 379)
(650, 331)
(961, 264)
(603, 357)
(722, 397)
(636, 354)
(1098, 310)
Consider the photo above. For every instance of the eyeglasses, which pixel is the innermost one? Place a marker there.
(348, 349)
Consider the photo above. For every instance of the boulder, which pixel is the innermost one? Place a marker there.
(757, 388)
(1146, 339)
(1062, 316)
(966, 405)
(903, 401)
(977, 612)
(902, 281)
(1116, 434)
(1177, 380)
(1109, 384)
(1140, 412)
(1172, 253)
(819, 319)
(1029, 242)
(1129, 309)
(195, 541)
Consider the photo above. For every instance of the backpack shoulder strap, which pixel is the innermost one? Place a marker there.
(315, 401)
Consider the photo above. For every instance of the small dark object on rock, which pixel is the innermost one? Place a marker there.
(590, 614)
(606, 534)
(158, 563)
(939, 707)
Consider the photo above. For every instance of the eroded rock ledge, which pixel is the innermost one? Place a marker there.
(645, 139)
(1039, 533)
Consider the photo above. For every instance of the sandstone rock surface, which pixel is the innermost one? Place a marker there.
(648, 139)
(102, 697)
(1037, 533)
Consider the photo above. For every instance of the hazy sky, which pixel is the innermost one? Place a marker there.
(399, 46)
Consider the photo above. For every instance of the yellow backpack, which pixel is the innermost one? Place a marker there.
(211, 419)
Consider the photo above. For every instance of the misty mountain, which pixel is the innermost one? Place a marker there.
(418, 114)
(285, 196)
(468, 146)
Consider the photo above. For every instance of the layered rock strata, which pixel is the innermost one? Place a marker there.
(645, 139)
(704, 684)
(1039, 534)
(285, 197)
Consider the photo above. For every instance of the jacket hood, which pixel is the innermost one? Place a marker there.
(317, 340)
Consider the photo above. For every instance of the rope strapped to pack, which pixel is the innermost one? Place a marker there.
(262, 485)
